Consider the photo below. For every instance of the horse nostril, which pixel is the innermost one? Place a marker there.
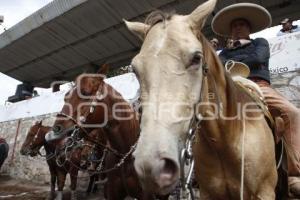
(168, 172)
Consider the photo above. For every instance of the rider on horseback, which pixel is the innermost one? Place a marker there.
(238, 22)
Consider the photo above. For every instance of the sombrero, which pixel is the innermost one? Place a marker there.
(258, 17)
(237, 68)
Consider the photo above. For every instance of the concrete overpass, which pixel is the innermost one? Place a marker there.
(68, 37)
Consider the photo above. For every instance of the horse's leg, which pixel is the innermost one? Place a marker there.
(53, 175)
(114, 189)
(61, 178)
(95, 183)
(91, 183)
(73, 176)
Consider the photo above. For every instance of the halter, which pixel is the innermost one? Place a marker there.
(31, 144)
(186, 156)
(77, 127)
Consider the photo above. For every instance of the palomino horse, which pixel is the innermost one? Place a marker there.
(92, 104)
(183, 83)
(34, 140)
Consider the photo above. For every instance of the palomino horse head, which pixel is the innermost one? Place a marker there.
(35, 139)
(170, 69)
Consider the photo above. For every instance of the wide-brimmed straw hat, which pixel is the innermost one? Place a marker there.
(258, 17)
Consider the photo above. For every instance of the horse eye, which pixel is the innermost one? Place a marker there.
(196, 59)
(57, 128)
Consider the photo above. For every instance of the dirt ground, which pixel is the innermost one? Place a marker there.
(11, 189)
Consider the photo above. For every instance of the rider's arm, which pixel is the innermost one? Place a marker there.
(261, 54)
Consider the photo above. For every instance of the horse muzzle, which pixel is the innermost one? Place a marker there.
(28, 152)
(158, 176)
(24, 152)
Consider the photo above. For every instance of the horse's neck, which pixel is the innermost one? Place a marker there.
(122, 132)
(220, 91)
(226, 121)
(49, 146)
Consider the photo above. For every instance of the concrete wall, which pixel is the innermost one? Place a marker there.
(23, 167)
(288, 84)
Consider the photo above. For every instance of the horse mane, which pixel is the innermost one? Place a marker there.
(158, 16)
(222, 79)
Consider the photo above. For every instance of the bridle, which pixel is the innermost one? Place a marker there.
(37, 148)
(77, 128)
(186, 157)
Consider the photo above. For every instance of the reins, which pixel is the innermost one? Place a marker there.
(86, 136)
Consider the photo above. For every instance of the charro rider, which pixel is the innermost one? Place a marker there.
(238, 21)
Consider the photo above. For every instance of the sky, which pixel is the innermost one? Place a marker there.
(15, 11)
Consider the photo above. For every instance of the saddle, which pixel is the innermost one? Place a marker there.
(276, 123)
(239, 72)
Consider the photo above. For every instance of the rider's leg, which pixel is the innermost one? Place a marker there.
(291, 117)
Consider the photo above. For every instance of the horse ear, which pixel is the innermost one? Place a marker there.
(103, 69)
(37, 123)
(137, 28)
(199, 15)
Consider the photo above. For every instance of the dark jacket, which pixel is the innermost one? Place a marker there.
(255, 54)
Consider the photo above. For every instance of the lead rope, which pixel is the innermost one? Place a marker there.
(243, 161)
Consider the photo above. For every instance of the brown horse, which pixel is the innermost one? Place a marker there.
(92, 104)
(185, 89)
(92, 156)
(34, 140)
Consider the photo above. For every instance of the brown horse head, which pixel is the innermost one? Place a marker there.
(35, 139)
(78, 105)
(89, 84)
(78, 115)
